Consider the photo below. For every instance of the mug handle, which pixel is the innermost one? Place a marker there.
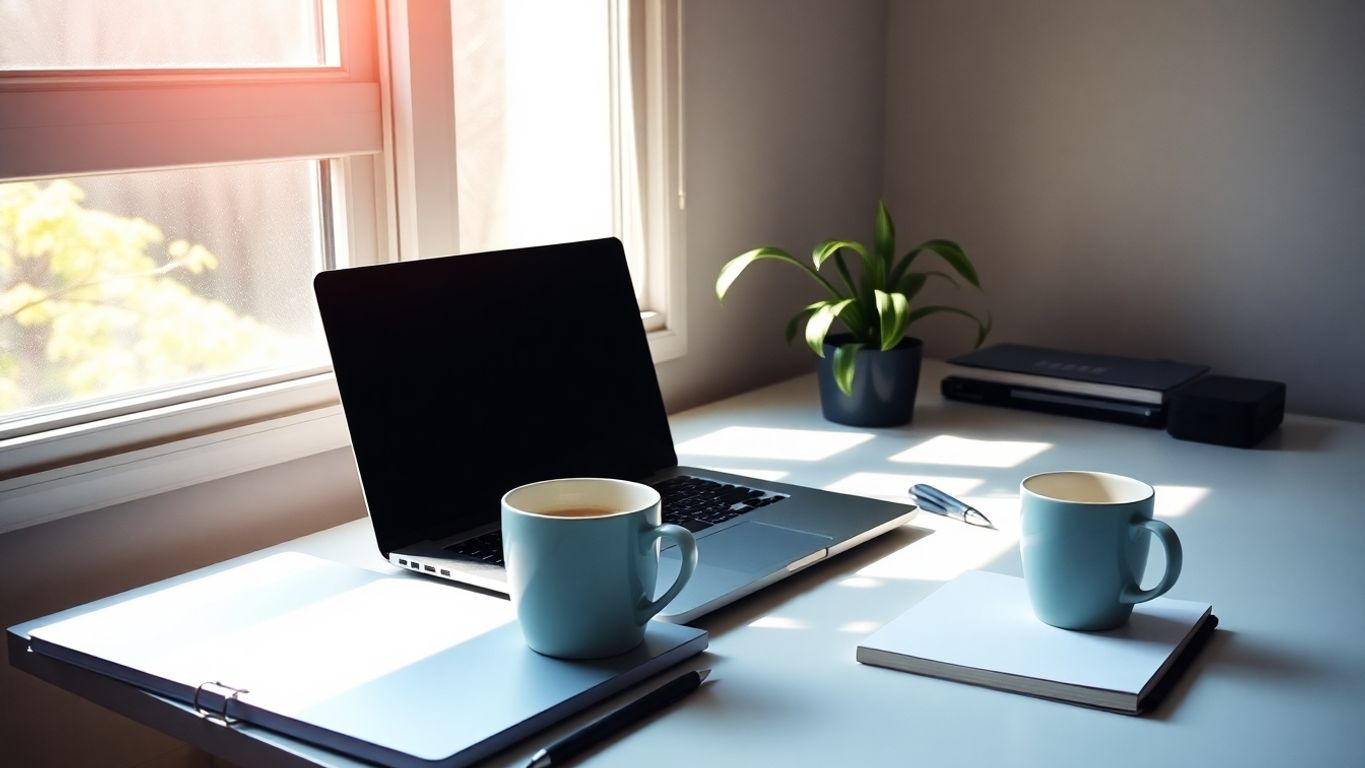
(1134, 593)
(687, 544)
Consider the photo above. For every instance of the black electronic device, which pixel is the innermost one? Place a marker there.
(1225, 410)
(1061, 403)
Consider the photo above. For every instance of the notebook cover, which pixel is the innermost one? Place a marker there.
(1159, 375)
(396, 670)
(980, 629)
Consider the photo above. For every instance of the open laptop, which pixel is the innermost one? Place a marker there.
(465, 376)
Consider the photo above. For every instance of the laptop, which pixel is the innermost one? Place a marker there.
(465, 376)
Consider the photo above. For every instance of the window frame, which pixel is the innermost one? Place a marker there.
(62, 123)
(399, 85)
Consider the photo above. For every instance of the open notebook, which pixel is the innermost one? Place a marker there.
(392, 669)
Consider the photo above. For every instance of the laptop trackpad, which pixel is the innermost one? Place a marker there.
(734, 557)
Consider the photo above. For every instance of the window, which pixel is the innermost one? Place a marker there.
(168, 189)
(554, 105)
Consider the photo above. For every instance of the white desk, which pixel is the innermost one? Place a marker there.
(1274, 537)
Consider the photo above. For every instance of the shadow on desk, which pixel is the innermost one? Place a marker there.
(1236, 654)
(1300, 436)
(771, 597)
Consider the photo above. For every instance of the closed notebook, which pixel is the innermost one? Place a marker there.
(980, 629)
(392, 669)
(1109, 376)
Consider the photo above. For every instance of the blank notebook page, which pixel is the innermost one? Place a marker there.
(984, 620)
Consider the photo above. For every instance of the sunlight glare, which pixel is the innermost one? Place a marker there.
(962, 451)
(286, 648)
(1176, 500)
(777, 622)
(860, 582)
(954, 547)
(896, 487)
(773, 443)
(860, 627)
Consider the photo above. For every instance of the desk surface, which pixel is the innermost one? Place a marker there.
(1274, 537)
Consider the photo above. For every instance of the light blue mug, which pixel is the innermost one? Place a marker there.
(583, 561)
(1084, 547)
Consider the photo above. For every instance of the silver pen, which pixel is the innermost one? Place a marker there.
(931, 499)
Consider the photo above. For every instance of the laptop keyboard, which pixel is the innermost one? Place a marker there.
(486, 548)
(695, 503)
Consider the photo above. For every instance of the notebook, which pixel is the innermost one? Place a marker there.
(465, 376)
(395, 670)
(980, 629)
(1110, 377)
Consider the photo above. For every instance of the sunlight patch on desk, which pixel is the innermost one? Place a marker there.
(961, 487)
(896, 487)
(773, 443)
(860, 582)
(967, 452)
(860, 627)
(777, 622)
(954, 548)
(1177, 500)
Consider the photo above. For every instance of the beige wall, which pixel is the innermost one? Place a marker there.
(1175, 178)
(784, 147)
(783, 142)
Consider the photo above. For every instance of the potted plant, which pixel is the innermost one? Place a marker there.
(868, 375)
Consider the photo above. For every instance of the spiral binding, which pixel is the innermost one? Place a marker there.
(221, 716)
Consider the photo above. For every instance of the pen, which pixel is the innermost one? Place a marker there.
(931, 499)
(594, 733)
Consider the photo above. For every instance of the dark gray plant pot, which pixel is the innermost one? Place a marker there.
(884, 385)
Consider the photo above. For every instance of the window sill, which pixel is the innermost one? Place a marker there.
(77, 469)
(81, 468)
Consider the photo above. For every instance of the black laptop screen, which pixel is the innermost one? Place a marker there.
(465, 376)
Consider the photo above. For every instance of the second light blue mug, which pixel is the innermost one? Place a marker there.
(582, 563)
(1084, 543)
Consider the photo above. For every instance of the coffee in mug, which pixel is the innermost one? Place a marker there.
(580, 512)
(1084, 543)
(582, 563)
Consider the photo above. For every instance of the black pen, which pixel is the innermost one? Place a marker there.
(931, 499)
(598, 731)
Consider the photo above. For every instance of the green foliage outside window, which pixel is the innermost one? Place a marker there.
(90, 304)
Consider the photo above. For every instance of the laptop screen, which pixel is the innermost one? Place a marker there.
(462, 377)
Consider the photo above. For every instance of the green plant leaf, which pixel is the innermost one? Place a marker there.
(738, 264)
(884, 237)
(800, 317)
(845, 358)
(860, 319)
(911, 284)
(818, 325)
(982, 328)
(828, 248)
(944, 275)
(956, 258)
(822, 252)
(892, 311)
(831, 247)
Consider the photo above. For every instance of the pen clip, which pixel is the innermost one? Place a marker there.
(929, 505)
(928, 493)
